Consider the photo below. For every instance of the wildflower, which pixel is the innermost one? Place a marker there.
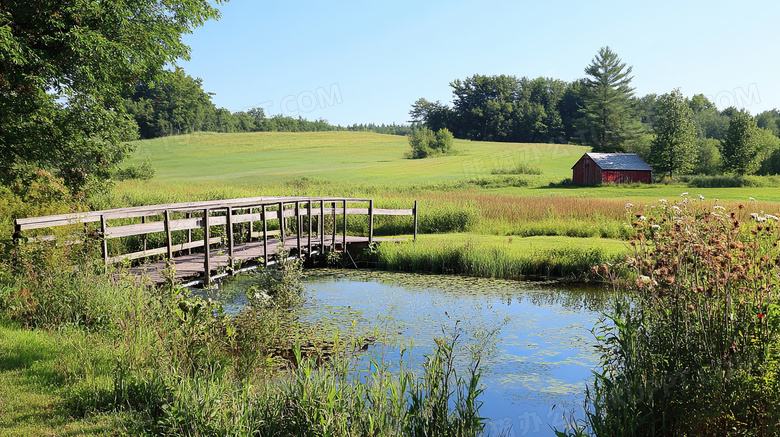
(629, 205)
(662, 200)
(684, 194)
(750, 198)
(701, 197)
(773, 217)
(718, 207)
(656, 227)
(643, 218)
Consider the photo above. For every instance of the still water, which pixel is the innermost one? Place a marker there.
(537, 365)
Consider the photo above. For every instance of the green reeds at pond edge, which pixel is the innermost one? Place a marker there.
(491, 259)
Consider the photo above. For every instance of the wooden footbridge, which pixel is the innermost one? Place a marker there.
(200, 242)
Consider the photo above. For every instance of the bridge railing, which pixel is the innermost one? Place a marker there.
(301, 211)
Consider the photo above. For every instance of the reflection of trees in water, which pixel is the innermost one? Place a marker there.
(589, 297)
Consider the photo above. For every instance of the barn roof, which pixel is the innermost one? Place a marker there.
(619, 161)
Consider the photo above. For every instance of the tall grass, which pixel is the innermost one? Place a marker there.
(165, 362)
(491, 259)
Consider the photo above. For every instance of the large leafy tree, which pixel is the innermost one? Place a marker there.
(674, 148)
(607, 116)
(64, 67)
(175, 104)
(739, 146)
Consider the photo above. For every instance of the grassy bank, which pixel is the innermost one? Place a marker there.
(501, 257)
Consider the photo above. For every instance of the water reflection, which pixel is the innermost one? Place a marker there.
(543, 354)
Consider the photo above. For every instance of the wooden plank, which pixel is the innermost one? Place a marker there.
(162, 250)
(396, 212)
(149, 210)
(344, 240)
(308, 209)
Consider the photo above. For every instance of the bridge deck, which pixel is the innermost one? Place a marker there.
(188, 269)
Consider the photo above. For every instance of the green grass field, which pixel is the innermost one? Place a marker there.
(205, 163)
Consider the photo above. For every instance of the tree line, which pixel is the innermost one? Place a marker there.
(175, 103)
(602, 111)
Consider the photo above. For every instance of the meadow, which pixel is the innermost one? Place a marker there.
(84, 353)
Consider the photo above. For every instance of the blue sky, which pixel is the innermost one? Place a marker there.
(367, 62)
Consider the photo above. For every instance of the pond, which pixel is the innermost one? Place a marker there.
(535, 369)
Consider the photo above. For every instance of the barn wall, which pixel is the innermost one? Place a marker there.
(586, 172)
(626, 176)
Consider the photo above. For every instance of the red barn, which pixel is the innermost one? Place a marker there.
(620, 168)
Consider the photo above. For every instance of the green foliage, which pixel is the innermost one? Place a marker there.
(425, 143)
(143, 171)
(607, 112)
(708, 159)
(739, 147)
(693, 351)
(673, 149)
(65, 67)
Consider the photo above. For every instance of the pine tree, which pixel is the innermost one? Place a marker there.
(606, 121)
(674, 148)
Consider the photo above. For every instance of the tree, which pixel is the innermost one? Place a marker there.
(739, 145)
(173, 104)
(607, 113)
(434, 115)
(64, 67)
(673, 149)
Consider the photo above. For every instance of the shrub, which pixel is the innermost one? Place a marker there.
(425, 143)
(144, 171)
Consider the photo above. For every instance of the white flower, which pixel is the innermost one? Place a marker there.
(675, 207)
(656, 227)
(773, 217)
(684, 194)
(701, 197)
(643, 218)
(662, 200)
(629, 205)
(751, 198)
(718, 207)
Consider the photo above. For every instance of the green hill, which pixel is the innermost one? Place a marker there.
(270, 158)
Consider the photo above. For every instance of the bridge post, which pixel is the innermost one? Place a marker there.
(281, 221)
(298, 226)
(321, 226)
(168, 238)
(104, 241)
(207, 249)
(344, 235)
(144, 237)
(265, 238)
(371, 221)
(333, 241)
(189, 233)
(415, 221)
(308, 211)
(231, 241)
